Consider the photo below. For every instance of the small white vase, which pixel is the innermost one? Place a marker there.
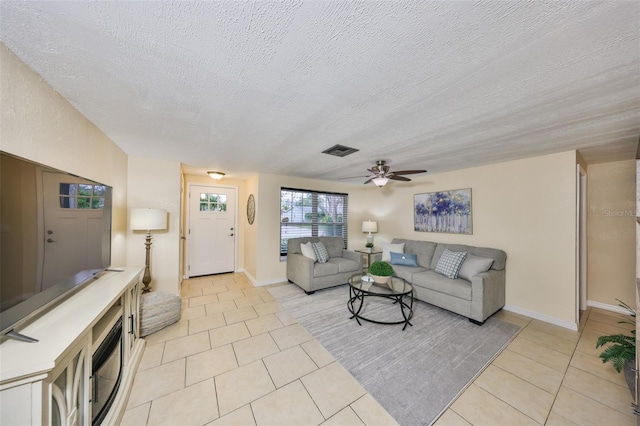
(380, 280)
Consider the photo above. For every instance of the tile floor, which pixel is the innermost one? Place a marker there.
(235, 358)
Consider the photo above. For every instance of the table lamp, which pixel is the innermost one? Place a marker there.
(369, 226)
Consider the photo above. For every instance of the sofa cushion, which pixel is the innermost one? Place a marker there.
(334, 245)
(345, 265)
(499, 257)
(434, 281)
(324, 269)
(473, 265)
(308, 251)
(407, 272)
(404, 259)
(321, 252)
(450, 262)
(424, 250)
(388, 248)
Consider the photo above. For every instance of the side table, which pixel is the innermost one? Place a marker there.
(368, 253)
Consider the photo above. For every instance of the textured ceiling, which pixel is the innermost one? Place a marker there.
(266, 86)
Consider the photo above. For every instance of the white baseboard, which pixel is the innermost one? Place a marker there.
(542, 317)
(264, 282)
(273, 281)
(607, 307)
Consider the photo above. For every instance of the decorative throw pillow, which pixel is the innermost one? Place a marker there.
(308, 251)
(474, 265)
(404, 259)
(321, 252)
(450, 262)
(388, 248)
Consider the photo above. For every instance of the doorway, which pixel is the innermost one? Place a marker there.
(211, 229)
(581, 241)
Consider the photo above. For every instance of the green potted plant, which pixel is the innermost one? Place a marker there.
(380, 271)
(622, 351)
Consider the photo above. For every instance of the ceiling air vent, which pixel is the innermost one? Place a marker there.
(340, 150)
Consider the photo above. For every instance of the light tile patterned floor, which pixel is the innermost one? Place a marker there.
(235, 358)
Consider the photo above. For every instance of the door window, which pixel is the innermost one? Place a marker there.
(82, 196)
(213, 202)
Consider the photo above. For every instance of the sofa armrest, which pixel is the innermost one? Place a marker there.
(300, 270)
(487, 294)
(348, 254)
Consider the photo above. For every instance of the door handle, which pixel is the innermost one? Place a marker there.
(231, 234)
(51, 240)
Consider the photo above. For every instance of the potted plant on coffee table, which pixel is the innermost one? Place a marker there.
(622, 351)
(380, 271)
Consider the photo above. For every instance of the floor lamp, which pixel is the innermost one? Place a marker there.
(147, 220)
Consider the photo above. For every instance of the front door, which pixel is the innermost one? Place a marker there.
(211, 231)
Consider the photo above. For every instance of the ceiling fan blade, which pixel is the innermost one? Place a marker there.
(408, 172)
(368, 181)
(374, 170)
(353, 177)
(402, 178)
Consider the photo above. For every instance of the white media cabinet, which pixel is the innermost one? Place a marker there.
(52, 374)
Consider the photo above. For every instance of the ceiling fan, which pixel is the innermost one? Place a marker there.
(380, 174)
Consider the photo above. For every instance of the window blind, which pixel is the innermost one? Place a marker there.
(307, 213)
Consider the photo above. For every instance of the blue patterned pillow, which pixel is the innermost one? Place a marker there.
(404, 259)
(321, 252)
(450, 262)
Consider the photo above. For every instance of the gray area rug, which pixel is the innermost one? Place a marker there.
(414, 374)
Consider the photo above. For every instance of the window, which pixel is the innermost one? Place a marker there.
(213, 202)
(305, 213)
(82, 196)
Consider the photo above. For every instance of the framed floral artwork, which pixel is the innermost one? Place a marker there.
(443, 211)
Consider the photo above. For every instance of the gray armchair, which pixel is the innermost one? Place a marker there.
(312, 276)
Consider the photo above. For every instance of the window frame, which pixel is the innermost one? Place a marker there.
(317, 221)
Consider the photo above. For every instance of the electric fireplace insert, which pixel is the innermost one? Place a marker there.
(106, 371)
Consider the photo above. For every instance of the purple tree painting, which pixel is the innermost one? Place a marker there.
(445, 211)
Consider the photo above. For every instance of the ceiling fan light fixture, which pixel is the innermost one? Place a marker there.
(380, 181)
(216, 175)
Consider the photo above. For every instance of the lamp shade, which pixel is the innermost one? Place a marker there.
(380, 181)
(369, 226)
(148, 219)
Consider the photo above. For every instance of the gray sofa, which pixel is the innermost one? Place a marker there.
(312, 276)
(476, 299)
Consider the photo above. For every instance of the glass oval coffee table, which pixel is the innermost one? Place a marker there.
(362, 287)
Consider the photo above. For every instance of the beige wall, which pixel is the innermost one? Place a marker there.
(156, 184)
(611, 236)
(268, 267)
(251, 231)
(40, 125)
(524, 207)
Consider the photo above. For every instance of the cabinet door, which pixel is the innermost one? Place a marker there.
(132, 326)
(70, 390)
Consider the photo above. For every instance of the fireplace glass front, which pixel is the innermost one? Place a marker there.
(106, 373)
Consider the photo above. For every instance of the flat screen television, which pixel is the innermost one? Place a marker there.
(55, 236)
